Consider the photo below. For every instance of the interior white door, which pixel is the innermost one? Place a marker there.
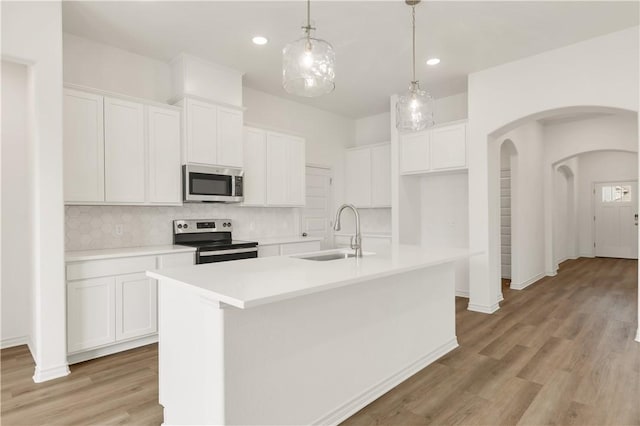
(164, 155)
(124, 151)
(136, 306)
(90, 310)
(616, 224)
(255, 167)
(229, 137)
(83, 136)
(316, 215)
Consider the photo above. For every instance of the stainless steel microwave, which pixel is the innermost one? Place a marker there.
(211, 184)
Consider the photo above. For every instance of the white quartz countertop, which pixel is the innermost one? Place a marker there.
(81, 255)
(253, 282)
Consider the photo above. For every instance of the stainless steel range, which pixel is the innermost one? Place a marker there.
(213, 240)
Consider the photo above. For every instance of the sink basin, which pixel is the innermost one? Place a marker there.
(325, 257)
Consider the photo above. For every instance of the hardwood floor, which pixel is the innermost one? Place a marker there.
(559, 352)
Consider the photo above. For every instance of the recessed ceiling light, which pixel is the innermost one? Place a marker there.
(259, 40)
(433, 61)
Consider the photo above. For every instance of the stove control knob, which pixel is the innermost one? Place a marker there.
(185, 226)
(224, 225)
(228, 223)
(179, 226)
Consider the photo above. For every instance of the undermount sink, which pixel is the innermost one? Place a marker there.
(325, 257)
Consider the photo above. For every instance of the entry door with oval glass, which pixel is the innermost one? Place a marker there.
(616, 219)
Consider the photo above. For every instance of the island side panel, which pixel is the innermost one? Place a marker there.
(319, 358)
(190, 351)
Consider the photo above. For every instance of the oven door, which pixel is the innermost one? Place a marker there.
(205, 183)
(212, 256)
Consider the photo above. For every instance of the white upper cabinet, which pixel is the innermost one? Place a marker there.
(202, 132)
(213, 134)
(118, 150)
(449, 147)
(164, 155)
(274, 169)
(368, 176)
(124, 151)
(439, 149)
(229, 137)
(358, 177)
(255, 167)
(83, 147)
(381, 176)
(414, 152)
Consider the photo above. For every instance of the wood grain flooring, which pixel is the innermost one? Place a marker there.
(560, 352)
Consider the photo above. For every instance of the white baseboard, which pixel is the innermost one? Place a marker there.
(110, 350)
(356, 404)
(483, 308)
(462, 293)
(638, 335)
(586, 255)
(42, 375)
(527, 283)
(14, 341)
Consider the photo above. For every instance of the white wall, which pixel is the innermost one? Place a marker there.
(599, 167)
(527, 242)
(32, 34)
(375, 128)
(99, 65)
(501, 98)
(17, 207)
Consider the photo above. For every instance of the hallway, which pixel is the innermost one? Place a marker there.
(559, 352)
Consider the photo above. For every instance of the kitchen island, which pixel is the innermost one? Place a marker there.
(289, 340)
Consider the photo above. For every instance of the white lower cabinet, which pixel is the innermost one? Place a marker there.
(91, 307)
(112, 305)
(136, 306)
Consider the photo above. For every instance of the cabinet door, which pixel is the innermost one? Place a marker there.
(277, 176)
(124, 151)
(202, 133)
(449, 147)
(381, 176)
(164, 155)
(296, 171)
(255, 167)
(414, 152)
(229, 137)
(83, 147)
(136, 306)
(90, 313)
(358, 177)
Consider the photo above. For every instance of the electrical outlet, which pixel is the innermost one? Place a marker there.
(119, 229)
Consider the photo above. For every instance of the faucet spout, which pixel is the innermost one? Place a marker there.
(357, 244)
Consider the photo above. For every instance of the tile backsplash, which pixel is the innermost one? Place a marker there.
(371, 220)
(100, 227)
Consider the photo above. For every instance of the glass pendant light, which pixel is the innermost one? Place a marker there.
(414, 109)
(308, 64)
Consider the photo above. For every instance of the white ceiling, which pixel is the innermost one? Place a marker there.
(371, 38)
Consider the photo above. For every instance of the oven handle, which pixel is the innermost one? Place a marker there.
(230, 251)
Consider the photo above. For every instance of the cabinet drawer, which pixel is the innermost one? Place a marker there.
(176, 260)
(304, 247)
(109, 267)
(268, 251)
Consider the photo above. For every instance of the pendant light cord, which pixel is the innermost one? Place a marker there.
(413, 20)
